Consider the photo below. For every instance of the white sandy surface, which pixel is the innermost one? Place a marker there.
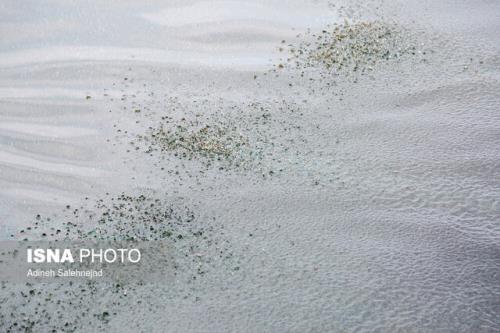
(387, 219)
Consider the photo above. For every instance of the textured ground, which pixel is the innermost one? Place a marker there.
(372, 202)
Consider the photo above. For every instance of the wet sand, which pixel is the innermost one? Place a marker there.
(356, 202)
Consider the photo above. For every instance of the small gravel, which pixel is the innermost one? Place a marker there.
(349, 49)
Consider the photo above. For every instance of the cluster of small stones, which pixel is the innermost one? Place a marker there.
(231, 138)
(133, 218)
(208, 142)
(196, 242)
(352, 48)
(51, 307)
(129, 218)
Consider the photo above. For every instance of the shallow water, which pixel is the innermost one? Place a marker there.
(386, 216)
